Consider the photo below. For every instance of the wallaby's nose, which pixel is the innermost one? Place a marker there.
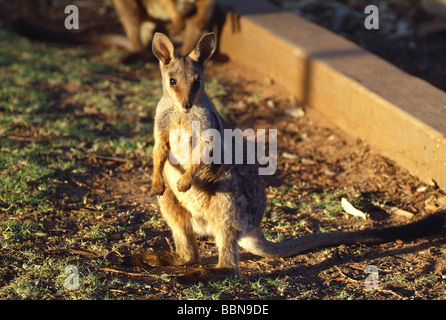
(187, 105)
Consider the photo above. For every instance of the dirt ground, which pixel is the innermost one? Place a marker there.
(95, 216)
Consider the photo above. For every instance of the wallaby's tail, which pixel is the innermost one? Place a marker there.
(258, 245)
(30, 30)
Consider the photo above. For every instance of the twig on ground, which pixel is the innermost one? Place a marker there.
(169, 244)
(115, 159)
(397, 211)
(132, 274)
(346, 277)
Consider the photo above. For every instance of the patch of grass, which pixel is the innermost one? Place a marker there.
(95, 233)
(344, 295)
(58, 106)
(291, 204)
(280, 228)
(14, 232)
(27, 172)
(200, 292)
(219, 289)
(403, 281)
(52, 278)
(269, 286)
(216, 91)
(328, 202)
(424, 281)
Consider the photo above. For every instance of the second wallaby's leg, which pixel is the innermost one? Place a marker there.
(175, 17)
(186, 249)
(205, 10)
(130, 16)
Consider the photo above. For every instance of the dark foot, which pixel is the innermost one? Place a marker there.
(149, 259)
(204, 275)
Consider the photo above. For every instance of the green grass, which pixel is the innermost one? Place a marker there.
(215, 290)
(60, 105)
(16, 232)
(49, 277)
(329, 202)
(281, 205)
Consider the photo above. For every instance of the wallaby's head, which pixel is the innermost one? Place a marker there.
(183, 76)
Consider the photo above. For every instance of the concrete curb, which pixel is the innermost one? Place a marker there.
(401, 116)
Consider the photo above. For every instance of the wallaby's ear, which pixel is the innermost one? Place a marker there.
(205, 48)
(162, 48)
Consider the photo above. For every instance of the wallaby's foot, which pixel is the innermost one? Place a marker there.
(184, 184)
(158, 187)
(204, 275)
(152, 259)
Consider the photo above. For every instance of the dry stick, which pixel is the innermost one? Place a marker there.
(115, 159)
(360, 268)
(116, 290)
(346, 277)
(128, 273)
(169, 244)
(19, 138)
(397, 211)
(83, 253)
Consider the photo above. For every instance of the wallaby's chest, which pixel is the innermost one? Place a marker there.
(180, 143)
(186, 140)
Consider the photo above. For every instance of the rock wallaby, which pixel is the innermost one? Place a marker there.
(140, 18)
(223, 200)
(187, 20)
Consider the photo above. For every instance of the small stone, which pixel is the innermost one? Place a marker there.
(296, 112)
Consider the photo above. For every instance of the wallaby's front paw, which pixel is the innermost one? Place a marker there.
(184, 184)
(158, 187)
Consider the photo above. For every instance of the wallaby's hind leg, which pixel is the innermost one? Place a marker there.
(228, 253)
(130, 16)
(179, 220)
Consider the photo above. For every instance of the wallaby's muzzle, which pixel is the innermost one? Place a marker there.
(187, 106)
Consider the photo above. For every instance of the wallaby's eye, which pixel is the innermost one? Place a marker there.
(197, 82)
(173, 82)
